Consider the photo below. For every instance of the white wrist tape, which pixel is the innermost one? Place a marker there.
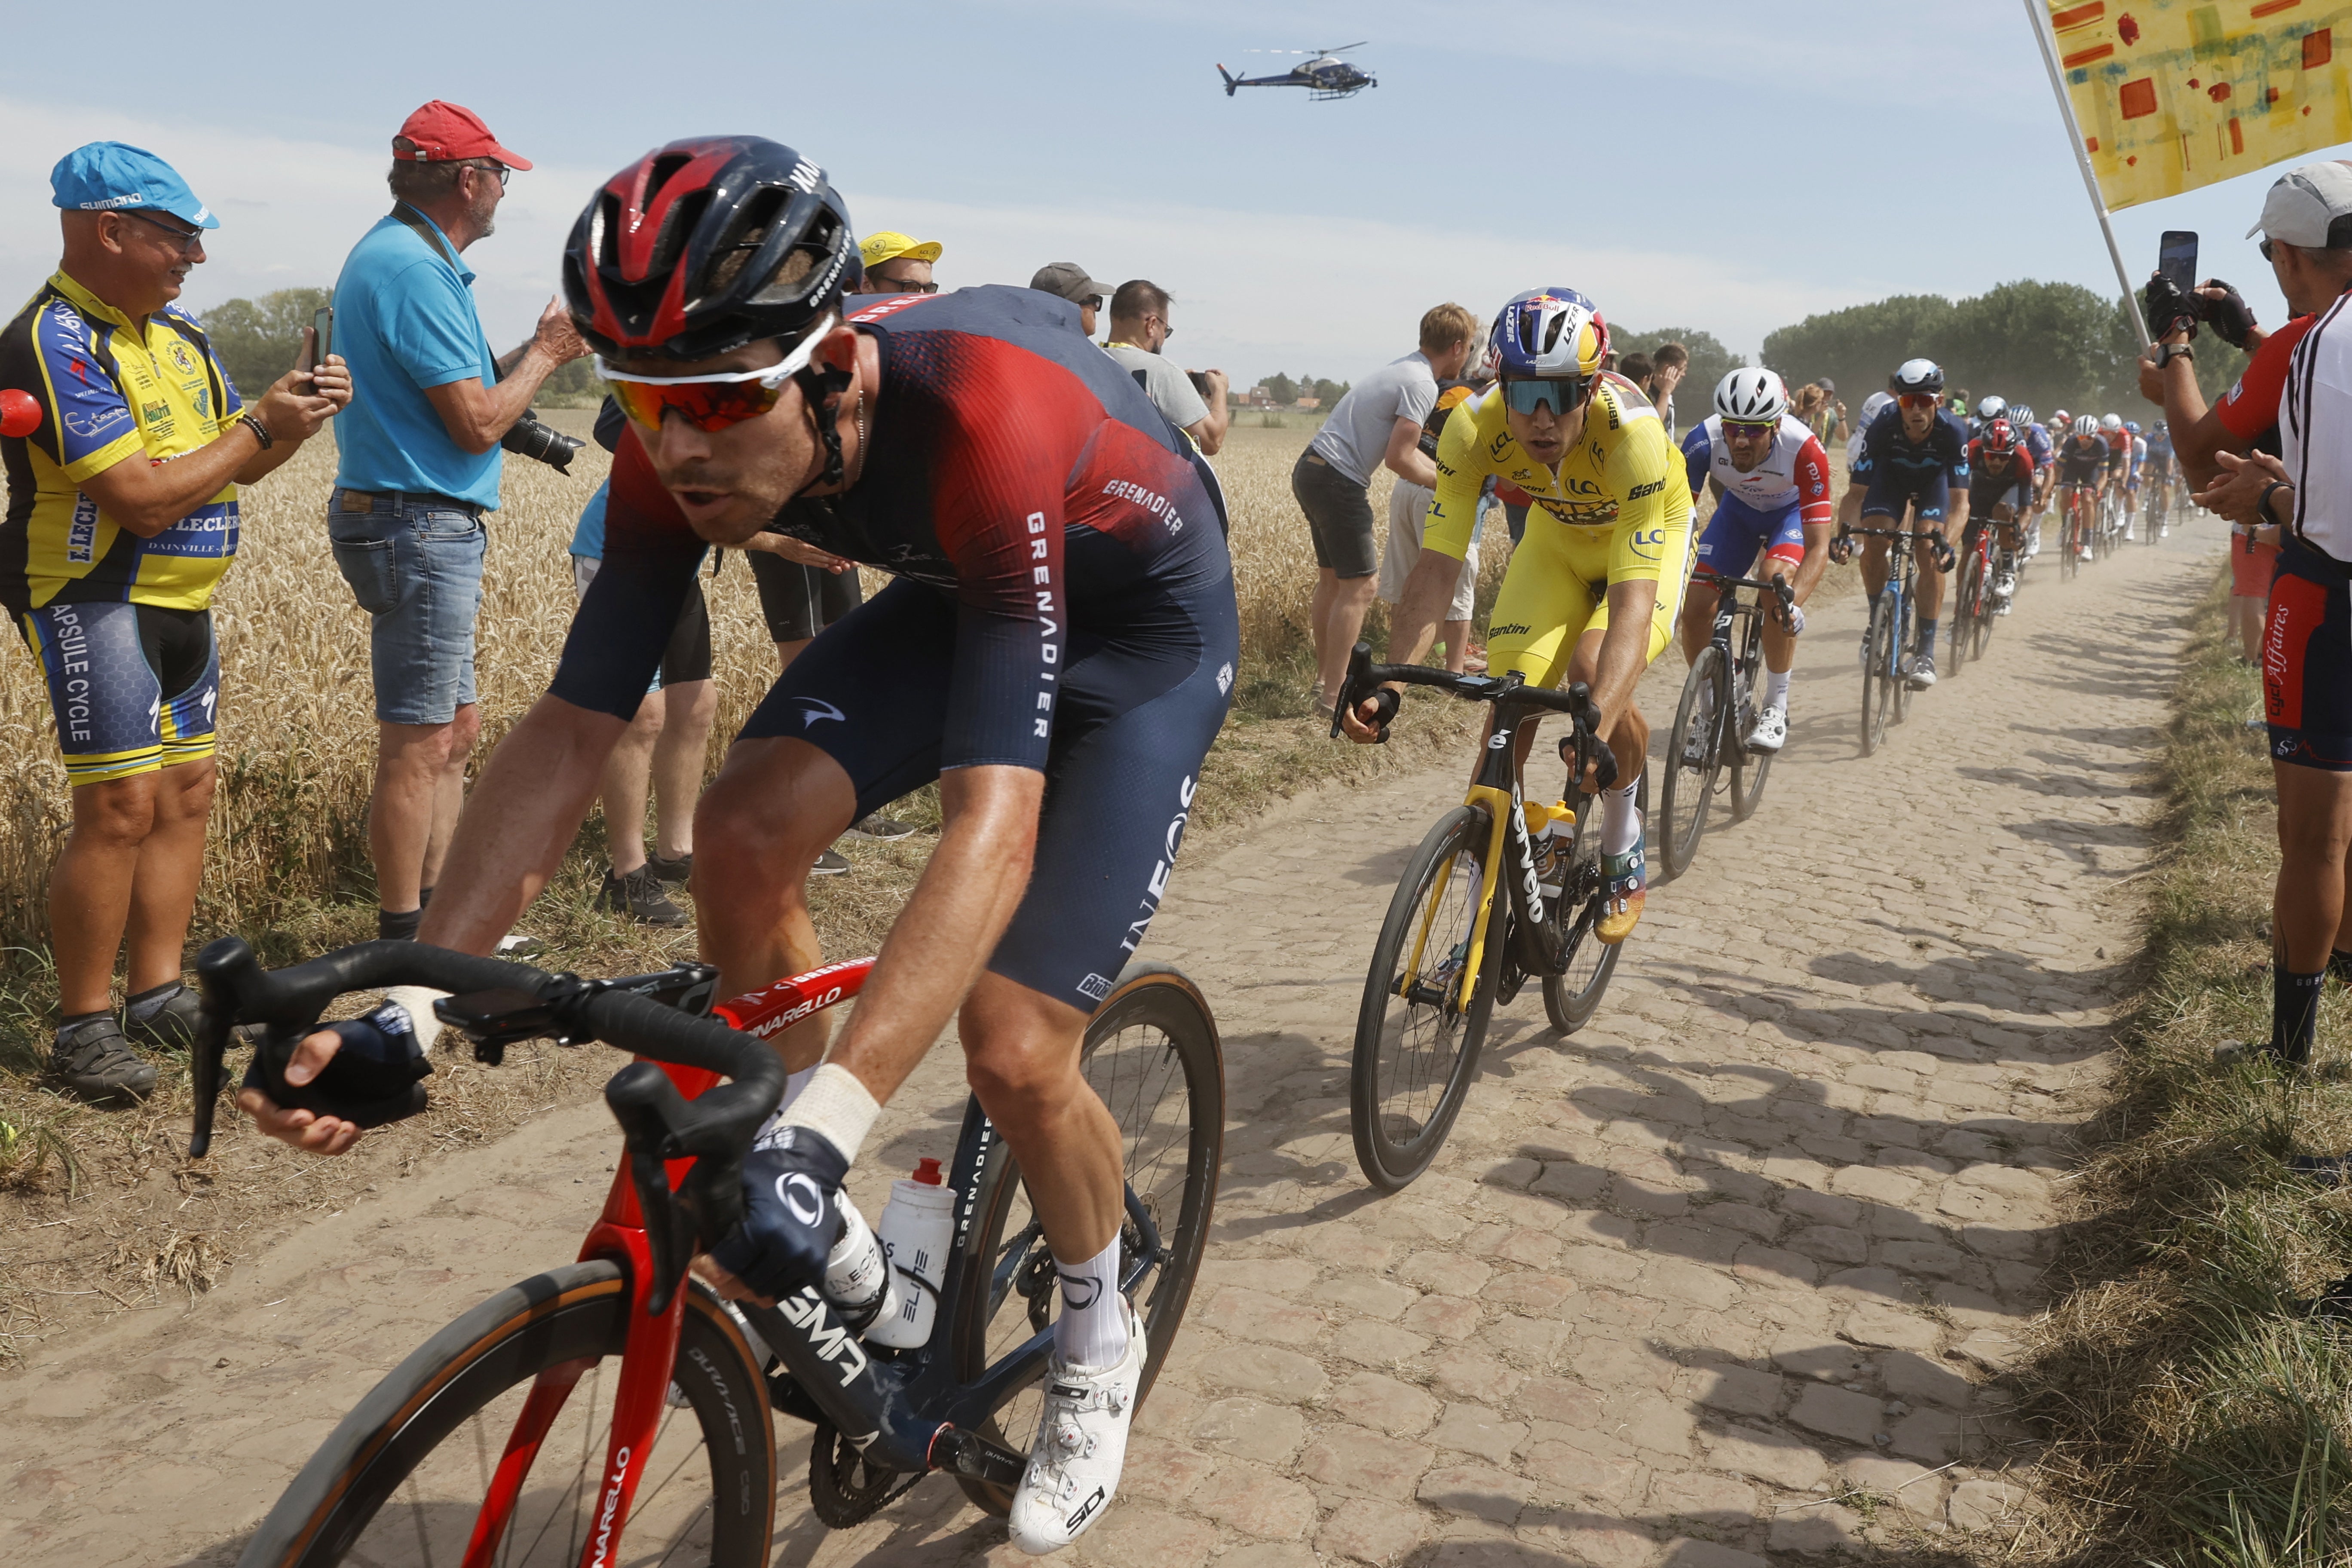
(836, 1105)
(417, 1001)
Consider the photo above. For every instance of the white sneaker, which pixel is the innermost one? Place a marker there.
(1080, 1449)
(1771, 731)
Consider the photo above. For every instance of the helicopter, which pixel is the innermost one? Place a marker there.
(1326, 76)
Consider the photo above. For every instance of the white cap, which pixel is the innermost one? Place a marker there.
(2304, 202)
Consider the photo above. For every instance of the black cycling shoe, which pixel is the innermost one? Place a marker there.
(170, 1027)
(639, 896)
(876, 825)
(673, 873)
(95, 1062)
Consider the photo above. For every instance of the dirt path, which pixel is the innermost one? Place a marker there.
(1755, 1239)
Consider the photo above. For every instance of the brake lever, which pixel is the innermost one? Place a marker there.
(1360, 669)
(645, 1103)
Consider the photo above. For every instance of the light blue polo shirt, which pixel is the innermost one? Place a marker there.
(405, 321)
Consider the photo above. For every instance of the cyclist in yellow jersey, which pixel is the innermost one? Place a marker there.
(1595, 586)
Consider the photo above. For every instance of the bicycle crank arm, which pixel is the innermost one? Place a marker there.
(975, 1458)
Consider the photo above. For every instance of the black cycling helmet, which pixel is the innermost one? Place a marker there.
(1916, 375)
(706, 245)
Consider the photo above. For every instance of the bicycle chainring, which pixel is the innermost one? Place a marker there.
(846, 1489)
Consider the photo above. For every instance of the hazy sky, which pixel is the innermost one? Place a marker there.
(1722, 166)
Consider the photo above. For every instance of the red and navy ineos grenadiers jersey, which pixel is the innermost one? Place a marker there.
(1010, 465)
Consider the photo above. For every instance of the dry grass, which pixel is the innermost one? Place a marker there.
(2198, 1414)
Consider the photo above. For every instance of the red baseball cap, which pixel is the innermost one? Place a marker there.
(444, 133)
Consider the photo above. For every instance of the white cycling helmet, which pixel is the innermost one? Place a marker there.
(2086, 424)
(1751, 396)
(2112, 422)
(1915, 376)
(1989, 408)
(2062, 419)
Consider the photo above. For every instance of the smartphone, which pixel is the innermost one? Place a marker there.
(314, 348)
(2176, 259)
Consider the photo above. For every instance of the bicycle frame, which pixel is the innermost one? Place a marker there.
(909, 1411)
(1902, 575)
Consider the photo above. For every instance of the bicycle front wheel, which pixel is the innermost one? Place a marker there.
(2070, 539)
(1970, 610)
(1573, 996)
(1151, 1053)
(1907, 632)
(402, 1480)
(1689, 789)
(1749, 770)
(1417, 1035)
(1878, 679)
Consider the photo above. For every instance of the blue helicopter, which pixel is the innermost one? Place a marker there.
(1324, 77)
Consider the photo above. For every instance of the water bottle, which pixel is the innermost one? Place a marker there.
(1552, 847)
(857, 1275)
(918, 1227)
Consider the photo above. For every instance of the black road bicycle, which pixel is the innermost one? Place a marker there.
(1708, 749)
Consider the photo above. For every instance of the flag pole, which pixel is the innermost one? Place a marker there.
(2039, 17)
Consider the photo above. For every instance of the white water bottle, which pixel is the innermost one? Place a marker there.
(918, 1227)
(1551, 850)
(857, 1272)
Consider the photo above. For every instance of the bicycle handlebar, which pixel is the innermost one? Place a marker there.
(1511, 690)
(1939, 555)
(286, 1002)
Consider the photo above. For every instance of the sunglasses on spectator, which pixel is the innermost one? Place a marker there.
(1751, 430)
(895, 287)
(1562, 395)
(1920, 400)
(187, 240)
(708, 402)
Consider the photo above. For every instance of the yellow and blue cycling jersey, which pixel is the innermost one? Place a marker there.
(109, 393)
(1616, 509)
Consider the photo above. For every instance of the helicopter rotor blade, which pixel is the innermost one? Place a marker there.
(1358, 44)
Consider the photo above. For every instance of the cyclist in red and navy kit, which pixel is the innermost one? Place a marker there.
(1055, 650)
(1771, 482)
(2002, 476)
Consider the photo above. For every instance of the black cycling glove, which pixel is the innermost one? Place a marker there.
(375, 1076)
(2229, 316)
(790, 1222)
(2169, 309)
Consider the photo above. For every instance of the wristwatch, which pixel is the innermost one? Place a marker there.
(2167, 352)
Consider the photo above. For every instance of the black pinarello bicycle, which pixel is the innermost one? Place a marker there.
(1712, 721)
(619, 1396)
(1482, 907)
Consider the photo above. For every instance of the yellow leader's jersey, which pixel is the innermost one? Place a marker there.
(109, 393)
(1617, 509)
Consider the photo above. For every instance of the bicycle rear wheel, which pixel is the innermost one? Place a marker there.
(1690, 789)
(1152, 1053)
(1968, 609)
(1417, 1038)
(401, 1480)
(1572, 997)
(1878, 683)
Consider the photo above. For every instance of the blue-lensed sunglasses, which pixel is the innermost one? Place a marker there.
(1562, 395)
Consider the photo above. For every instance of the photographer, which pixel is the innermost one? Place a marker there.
(420, 464)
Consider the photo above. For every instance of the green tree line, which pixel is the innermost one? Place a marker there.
(259, 340)
(2054, 345)
(1286, 390)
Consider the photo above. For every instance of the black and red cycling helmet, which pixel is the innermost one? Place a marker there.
(706, 245)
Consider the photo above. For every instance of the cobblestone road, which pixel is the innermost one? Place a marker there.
(1756, 1239)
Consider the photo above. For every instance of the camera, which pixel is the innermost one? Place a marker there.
(530, 436)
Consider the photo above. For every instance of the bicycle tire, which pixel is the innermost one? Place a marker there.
(1982, 628)
(1968, 610)
(334, 1508)
(1878, 658)
(1688, 792)
(2069, 544)
(1570, 998)
(1398, 1125)
(1150, 1003)
(1906, 636)
(1750, 768)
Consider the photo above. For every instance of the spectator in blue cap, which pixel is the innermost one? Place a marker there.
(108, 564)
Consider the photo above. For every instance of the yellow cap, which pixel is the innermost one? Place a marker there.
(890, 245)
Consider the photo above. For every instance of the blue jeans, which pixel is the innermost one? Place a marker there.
(414, 564)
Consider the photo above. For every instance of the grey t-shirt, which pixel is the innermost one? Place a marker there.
(1165, 383)
(1355, 436)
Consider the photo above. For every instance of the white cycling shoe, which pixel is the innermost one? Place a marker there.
(1080, 1449)
(1771, 731)
(1920, 671)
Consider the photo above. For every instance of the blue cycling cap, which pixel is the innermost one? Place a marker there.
(106, 176)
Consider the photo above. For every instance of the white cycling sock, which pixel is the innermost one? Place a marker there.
(1092, 1330)
(1775, 689)
(1621, 824)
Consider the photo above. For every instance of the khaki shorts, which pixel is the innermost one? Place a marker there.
(1408, 507)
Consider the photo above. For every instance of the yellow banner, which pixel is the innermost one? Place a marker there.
(2174, 94)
